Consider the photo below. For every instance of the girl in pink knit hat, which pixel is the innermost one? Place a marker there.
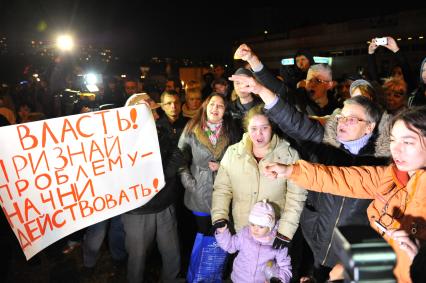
(254, 243)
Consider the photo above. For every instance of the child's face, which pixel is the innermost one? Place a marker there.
(258, 231)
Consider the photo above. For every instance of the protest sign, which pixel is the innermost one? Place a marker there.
(60, 175)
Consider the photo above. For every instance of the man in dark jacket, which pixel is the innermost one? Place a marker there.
(312, 94)
(157, 219)
(292, 74)
(245, 100)
(418, 97)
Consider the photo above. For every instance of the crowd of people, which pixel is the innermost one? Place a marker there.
(269, 164)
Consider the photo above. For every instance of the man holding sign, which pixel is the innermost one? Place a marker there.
(60, 175)
(157, 219)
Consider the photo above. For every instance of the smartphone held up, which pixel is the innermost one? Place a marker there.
(381, 40)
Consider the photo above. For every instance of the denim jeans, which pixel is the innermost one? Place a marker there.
(95, 235)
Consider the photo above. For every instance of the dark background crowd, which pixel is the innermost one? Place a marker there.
(187, 110)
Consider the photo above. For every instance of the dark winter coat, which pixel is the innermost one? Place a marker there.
(402, 61)
(323, 212)
(168, 137)
(418, 97)
(299, 97)
(292, 74)
(238, 111)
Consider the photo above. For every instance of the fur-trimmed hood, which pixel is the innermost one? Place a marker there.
(382, 133)
(422, 83)
(219, 149)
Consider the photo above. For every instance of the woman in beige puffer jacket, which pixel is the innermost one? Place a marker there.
(240, 182)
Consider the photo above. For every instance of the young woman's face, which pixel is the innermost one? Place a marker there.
(215, 109)
(408, 148)
(260, 131)
(258, 231)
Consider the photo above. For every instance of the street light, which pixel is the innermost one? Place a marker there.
(65, 42)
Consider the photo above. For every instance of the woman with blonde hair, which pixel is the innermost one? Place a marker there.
(395, 95)
(192, 102)
(240, 185)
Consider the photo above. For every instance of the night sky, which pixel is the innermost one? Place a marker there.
(169, 28)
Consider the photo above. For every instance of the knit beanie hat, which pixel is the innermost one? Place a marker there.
(358, 83)
(262, 214)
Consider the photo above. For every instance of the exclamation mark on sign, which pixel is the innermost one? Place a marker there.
(133, 115)
(155, 184)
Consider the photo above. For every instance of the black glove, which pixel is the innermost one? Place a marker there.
(275, 280)
(219, 224)
(280, 242)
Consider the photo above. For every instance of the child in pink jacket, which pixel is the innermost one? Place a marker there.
(254, 243)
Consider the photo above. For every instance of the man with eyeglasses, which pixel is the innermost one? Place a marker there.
(316, 87)
(311, 96)
(345, 139)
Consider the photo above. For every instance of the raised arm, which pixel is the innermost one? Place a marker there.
(245, 53)
(371, 61)
(293, 123)
(403, 63)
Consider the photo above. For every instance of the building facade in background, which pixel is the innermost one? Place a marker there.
(347, 42)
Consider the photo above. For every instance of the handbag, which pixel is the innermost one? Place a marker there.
(207, 261)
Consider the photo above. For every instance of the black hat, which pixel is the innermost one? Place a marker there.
(243, 71)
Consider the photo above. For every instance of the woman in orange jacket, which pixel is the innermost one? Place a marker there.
(398, 191)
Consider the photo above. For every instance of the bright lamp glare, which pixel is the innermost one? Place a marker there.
(91, 79)
(65, 42)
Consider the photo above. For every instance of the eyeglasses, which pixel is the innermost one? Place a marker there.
(317, 81)
(351, 120)
(398, 211)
